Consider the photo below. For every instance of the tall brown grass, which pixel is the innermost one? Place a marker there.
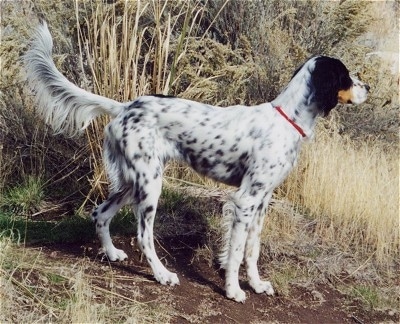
(351, 191)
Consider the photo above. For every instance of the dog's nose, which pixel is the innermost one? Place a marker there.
(367, 87)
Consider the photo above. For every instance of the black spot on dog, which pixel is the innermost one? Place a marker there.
(165, 109)
(136, 104)
(142, 225)
(105, 207)
(139, 193)
(244, 156)
(149, 209)
(234, 148)
(256, 187)
(142, 195)
(255, 133)
(205, 164)
(190, 142)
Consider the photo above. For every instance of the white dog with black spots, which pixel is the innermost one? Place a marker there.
(252, 148)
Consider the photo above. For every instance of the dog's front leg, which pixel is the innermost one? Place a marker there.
(242, 220)
(253, 250)
(238, 240)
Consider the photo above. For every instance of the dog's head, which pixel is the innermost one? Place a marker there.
(330, 83)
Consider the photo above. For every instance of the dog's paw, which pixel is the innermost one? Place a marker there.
(114, 254)
(237, 294)
(262, 287)
(167, 278)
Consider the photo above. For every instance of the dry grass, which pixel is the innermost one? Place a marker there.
(64, 291)
(351, 191)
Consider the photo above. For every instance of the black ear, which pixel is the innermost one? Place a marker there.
(329, 76)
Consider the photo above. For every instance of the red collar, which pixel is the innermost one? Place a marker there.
(298, 128)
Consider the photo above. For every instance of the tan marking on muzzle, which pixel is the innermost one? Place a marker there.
(345, 96)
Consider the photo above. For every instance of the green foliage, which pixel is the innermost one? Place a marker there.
(68, 230)
(368, 294)
(55, 278)
(171, 200)
(25, 198)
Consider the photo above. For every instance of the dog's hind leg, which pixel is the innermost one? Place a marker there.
(147, 192)
(252, 251)
(102, 217)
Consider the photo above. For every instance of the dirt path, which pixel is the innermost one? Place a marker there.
(200, 296)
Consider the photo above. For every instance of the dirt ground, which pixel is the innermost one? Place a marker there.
(200, 296)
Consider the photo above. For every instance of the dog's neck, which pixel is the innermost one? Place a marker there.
(295, 106)
(296, 100)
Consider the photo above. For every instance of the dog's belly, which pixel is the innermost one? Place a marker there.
(226, 169)
(218, 154)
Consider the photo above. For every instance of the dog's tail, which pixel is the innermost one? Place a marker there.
(63, 105)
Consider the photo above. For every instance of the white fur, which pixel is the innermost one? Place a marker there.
(62, 104)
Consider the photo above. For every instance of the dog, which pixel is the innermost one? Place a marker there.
(251, 148)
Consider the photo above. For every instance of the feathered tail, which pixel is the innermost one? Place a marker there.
(63, 105)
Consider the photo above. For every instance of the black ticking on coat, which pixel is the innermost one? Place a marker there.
(256, 187)
(139, 191)
(114, 199)
(136, 104)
